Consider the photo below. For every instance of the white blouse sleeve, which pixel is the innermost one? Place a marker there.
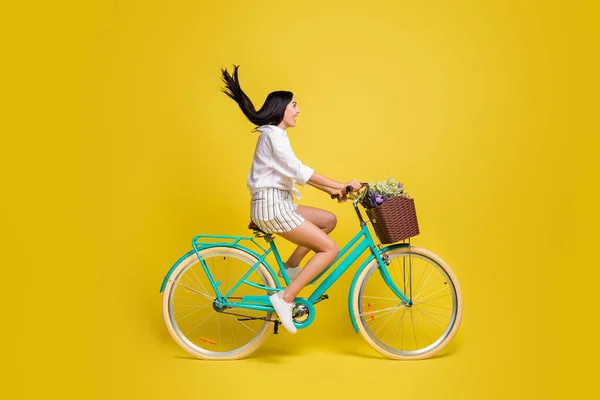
(286, 161)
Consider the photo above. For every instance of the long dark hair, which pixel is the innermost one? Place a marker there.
(272, 111)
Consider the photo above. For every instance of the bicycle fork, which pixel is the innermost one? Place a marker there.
(383, 270)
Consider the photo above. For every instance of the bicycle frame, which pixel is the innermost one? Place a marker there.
(360, 243)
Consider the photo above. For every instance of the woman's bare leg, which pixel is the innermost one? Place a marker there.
(324, 220)
(310, 236)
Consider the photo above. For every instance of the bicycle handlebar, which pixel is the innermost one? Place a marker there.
(356, 199)
(348, 190)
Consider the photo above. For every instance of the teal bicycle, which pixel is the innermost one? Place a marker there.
(404, 300)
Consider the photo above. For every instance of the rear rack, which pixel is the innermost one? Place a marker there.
(201, 241)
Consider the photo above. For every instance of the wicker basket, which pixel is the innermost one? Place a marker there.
(395, 220)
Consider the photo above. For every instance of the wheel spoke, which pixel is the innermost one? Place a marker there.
(431, 312)
(431, 294)
(241, 322)
(213, 267)
(219, 328)
(380, 315)
(188, 314)
(436, 306)
(402, 343)
(413, 326)
(420, 278)
(199, 281)
(437, 298)
(386, 321)
(442, 325)
(424, 284)
(227, 277)
(233, 335)
(198, 324)
(427, 337)
(400, 320)
(432, 325)
(179, 305)
(380, 298)
(192, 290)
(382, 310)
(396, 273)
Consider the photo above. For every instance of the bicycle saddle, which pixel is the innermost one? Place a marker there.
(255, 228)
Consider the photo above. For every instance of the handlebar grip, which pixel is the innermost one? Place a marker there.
(348, 190)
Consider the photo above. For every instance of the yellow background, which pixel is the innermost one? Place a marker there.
(118, 147)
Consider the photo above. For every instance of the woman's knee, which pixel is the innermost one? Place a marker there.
(325, 220)
(333, 248)
(331, 222)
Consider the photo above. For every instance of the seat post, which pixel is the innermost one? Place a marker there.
(276, 252)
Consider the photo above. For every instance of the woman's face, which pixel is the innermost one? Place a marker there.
(289, 117)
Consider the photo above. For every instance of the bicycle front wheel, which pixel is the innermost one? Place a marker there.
(415, 330)
(192, 317)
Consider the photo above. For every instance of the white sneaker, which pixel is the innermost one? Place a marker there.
(284, 311)
(292, 272)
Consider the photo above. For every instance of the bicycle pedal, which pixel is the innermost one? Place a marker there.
(276, 327)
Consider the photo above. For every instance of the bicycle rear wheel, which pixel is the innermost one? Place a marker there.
(408, 331)
(197, 324)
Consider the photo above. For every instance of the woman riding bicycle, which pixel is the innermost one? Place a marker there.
(274, 172)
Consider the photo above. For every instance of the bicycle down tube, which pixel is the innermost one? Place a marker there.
(345, 263)
(364, 244)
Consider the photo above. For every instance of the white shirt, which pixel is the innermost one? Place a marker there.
(275, 165)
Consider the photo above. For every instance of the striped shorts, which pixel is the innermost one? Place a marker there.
(274, 211)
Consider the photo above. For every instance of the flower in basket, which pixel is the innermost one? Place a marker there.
(381, 191)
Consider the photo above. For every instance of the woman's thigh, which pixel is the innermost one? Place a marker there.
(311, 236)
(322, 218)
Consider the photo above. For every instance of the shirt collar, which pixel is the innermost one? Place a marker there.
(274, 128)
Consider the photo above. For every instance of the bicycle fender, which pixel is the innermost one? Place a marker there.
(358, 272)
(237, 247)
(166, 279)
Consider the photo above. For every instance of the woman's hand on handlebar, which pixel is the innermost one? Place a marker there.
(355, 185)
(340, 194)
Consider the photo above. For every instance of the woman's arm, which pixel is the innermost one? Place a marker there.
(331, 186)
(324, 183)
(326, 189)
(289, 165)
